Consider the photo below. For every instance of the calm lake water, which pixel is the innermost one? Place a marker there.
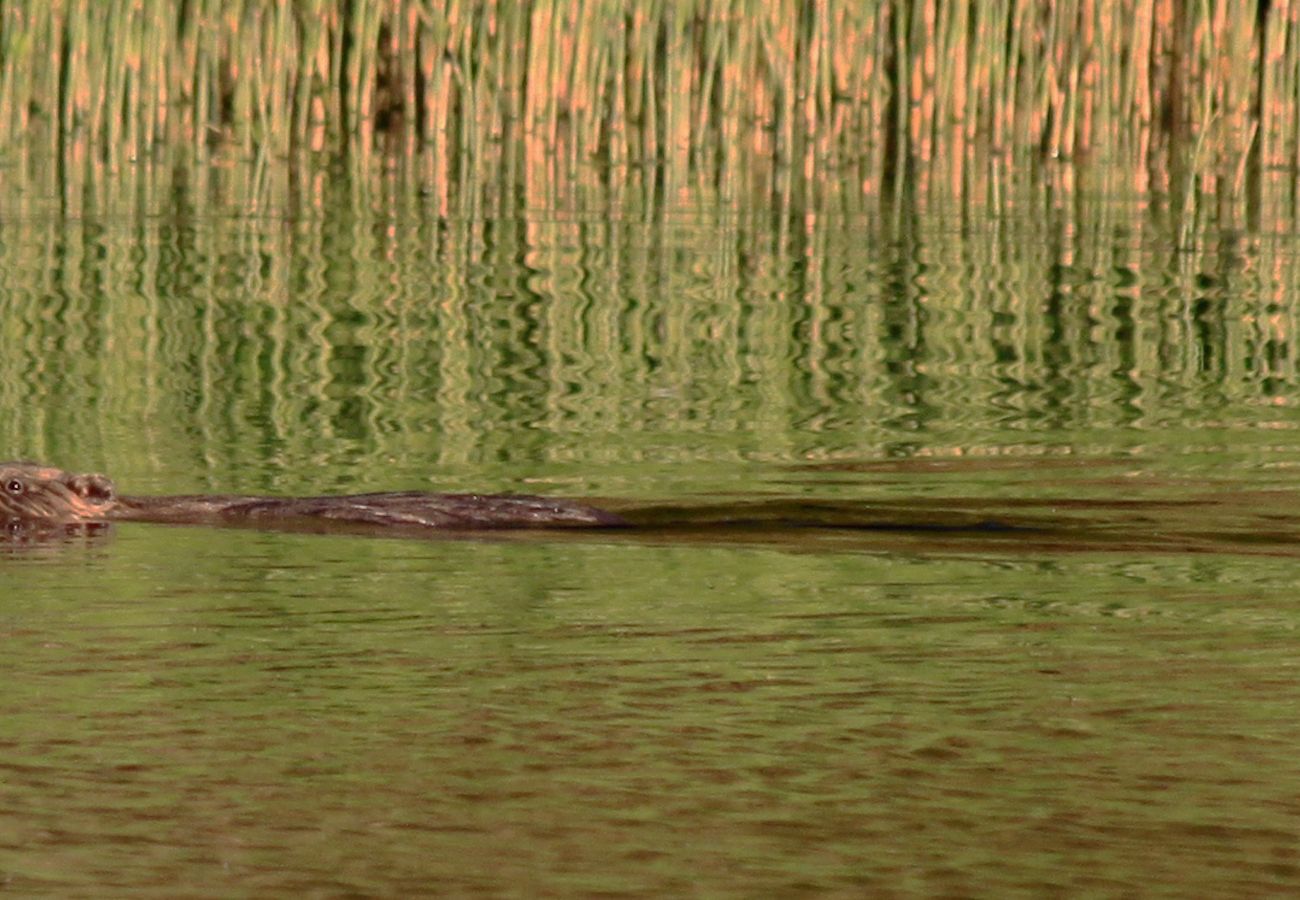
(1104, 702)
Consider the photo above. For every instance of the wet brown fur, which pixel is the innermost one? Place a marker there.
(30, 492)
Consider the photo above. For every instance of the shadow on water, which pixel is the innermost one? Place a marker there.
(1238, 523)
(1258, 523)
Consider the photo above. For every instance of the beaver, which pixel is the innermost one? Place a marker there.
(30, 492)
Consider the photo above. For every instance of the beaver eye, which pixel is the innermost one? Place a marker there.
(14, 486)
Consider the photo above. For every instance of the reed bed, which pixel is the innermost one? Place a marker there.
(829, 95)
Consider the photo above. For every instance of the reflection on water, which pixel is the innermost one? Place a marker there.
(1097, 694)
(244, 343)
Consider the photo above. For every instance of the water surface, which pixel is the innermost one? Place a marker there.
(1104, 702)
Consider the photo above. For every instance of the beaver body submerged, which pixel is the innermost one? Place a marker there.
(34, 493)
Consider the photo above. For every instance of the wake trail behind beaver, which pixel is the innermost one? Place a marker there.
(1257, 524)
(36, 499)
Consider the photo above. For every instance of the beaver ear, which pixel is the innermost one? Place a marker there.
(96, 488)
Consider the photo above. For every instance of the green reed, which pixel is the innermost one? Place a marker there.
(728, 92)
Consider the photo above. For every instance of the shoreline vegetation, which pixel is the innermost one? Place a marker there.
(825, 104)
(624, 218)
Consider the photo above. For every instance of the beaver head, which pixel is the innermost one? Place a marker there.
(40, 493)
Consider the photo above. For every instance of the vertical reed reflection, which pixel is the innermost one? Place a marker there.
(233, 337)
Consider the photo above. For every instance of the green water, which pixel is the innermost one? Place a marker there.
(1110, 709)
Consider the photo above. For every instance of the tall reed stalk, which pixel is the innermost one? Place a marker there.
(715, 91)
